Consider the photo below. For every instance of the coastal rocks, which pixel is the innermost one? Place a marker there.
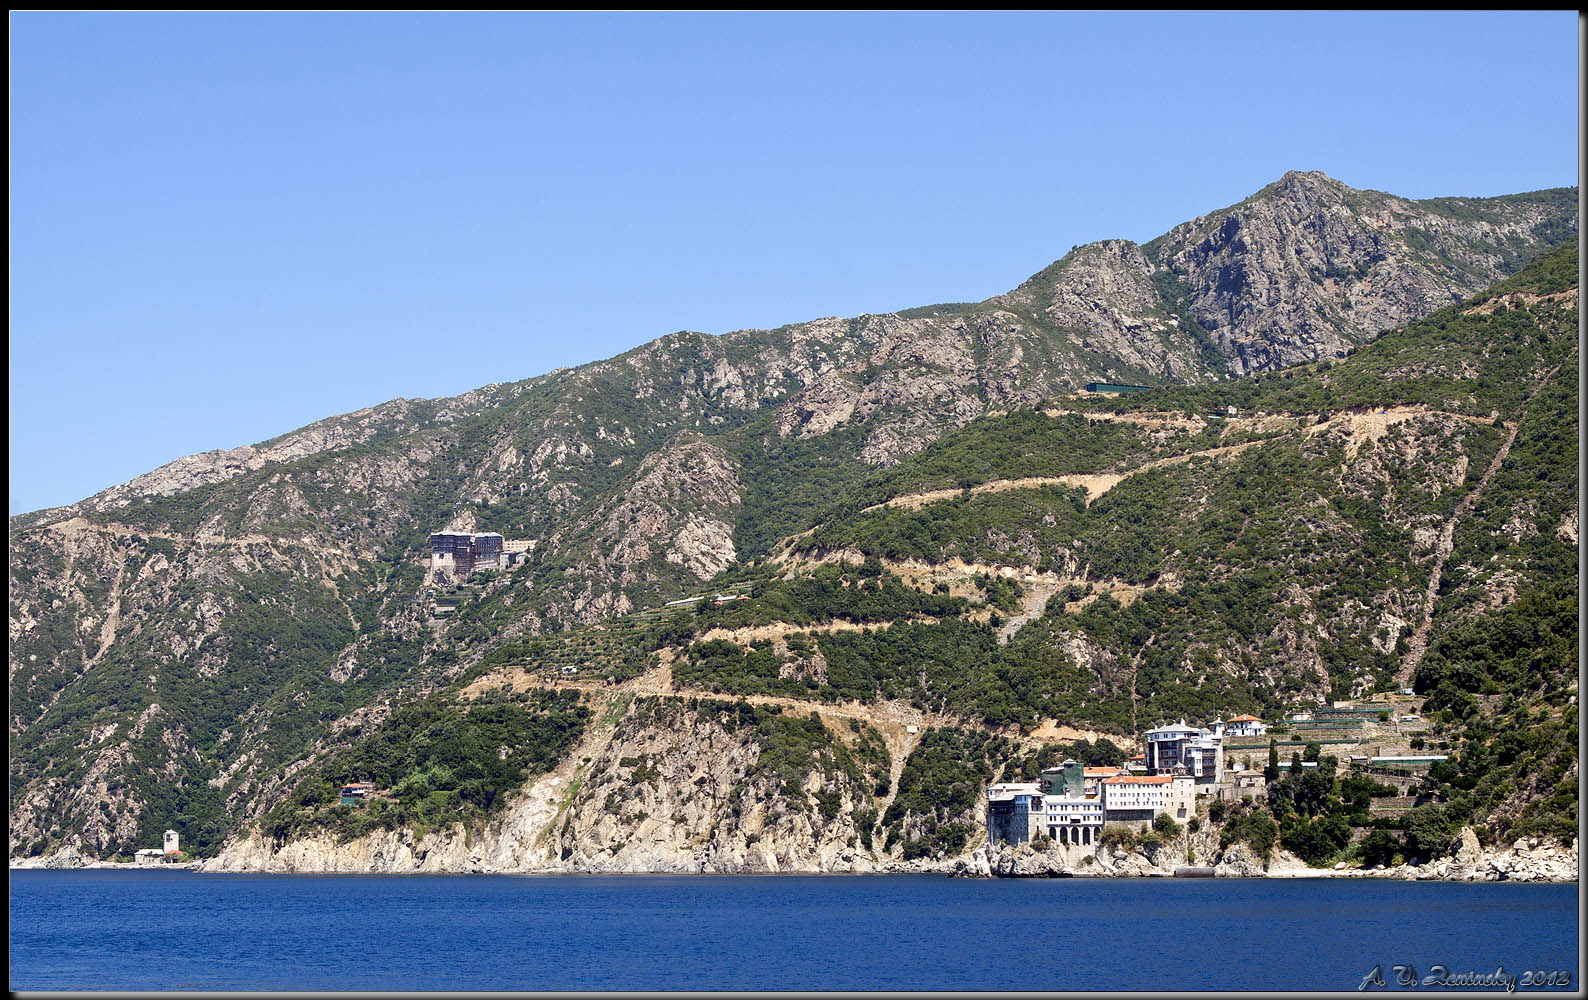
(66, 857)
(1532, 860)
(1238, 861)
(690, 788)
(1052, 860)
(977, 864)
(1026, 861)
(381, 852)
(455, 852)
(1166, 855)
(70, 858)
(1132, 864)
(1466, 848)
(1284, 864)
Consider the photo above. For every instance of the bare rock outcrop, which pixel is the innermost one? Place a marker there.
(1309, 267)
(667, 789)
(1238, 861)
(1105, 293)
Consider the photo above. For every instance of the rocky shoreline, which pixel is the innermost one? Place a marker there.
(1526, 860)
(67, 858)
(1529, 860)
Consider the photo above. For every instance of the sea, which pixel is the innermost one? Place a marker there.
(182, 930)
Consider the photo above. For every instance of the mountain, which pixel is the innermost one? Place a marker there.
(189, 647)
(1404, 517)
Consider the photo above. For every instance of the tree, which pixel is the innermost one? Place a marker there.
(1380, 848)
(1271, 772)
(1429, 829)
(1311, 751)
(1261, 833)
(1164, 824)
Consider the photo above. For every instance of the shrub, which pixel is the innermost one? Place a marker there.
(1261, 833)
(1318, 840)
(1118, 836)
(1429, 830)
(1379, 848)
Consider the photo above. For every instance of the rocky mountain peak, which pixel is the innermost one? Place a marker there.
(1309, 267)
(1296, 183)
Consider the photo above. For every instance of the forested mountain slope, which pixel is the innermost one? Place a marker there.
(1406, 516)
(181, 645)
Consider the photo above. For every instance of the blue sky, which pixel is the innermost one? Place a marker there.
(224, 227)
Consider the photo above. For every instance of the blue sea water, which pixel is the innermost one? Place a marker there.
(165, 930)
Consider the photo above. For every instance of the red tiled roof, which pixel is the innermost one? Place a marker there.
(1246, 718)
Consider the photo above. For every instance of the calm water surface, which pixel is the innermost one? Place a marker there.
(118, 930)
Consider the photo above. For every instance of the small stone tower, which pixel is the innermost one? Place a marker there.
(173, 842)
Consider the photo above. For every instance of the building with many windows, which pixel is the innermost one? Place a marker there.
(1059, 807)
(1093, 776)
(1240, 725)
(355, 792)
(1071, 803)
(1072, 814)
(1074, 819)
(456, 554)
(1199, 751)
(1014, 812)
(1129, 798)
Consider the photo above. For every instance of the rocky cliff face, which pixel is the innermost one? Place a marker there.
(659, 785)
(1309, 267)
(1105, 296)
(260, 595)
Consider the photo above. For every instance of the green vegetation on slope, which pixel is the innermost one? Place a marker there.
(1456, 359)
(940, 791)
(433, 764)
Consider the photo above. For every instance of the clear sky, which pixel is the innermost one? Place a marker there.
(224, 226)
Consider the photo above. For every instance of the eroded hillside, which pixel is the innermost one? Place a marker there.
(925, 640)
(186, 647)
